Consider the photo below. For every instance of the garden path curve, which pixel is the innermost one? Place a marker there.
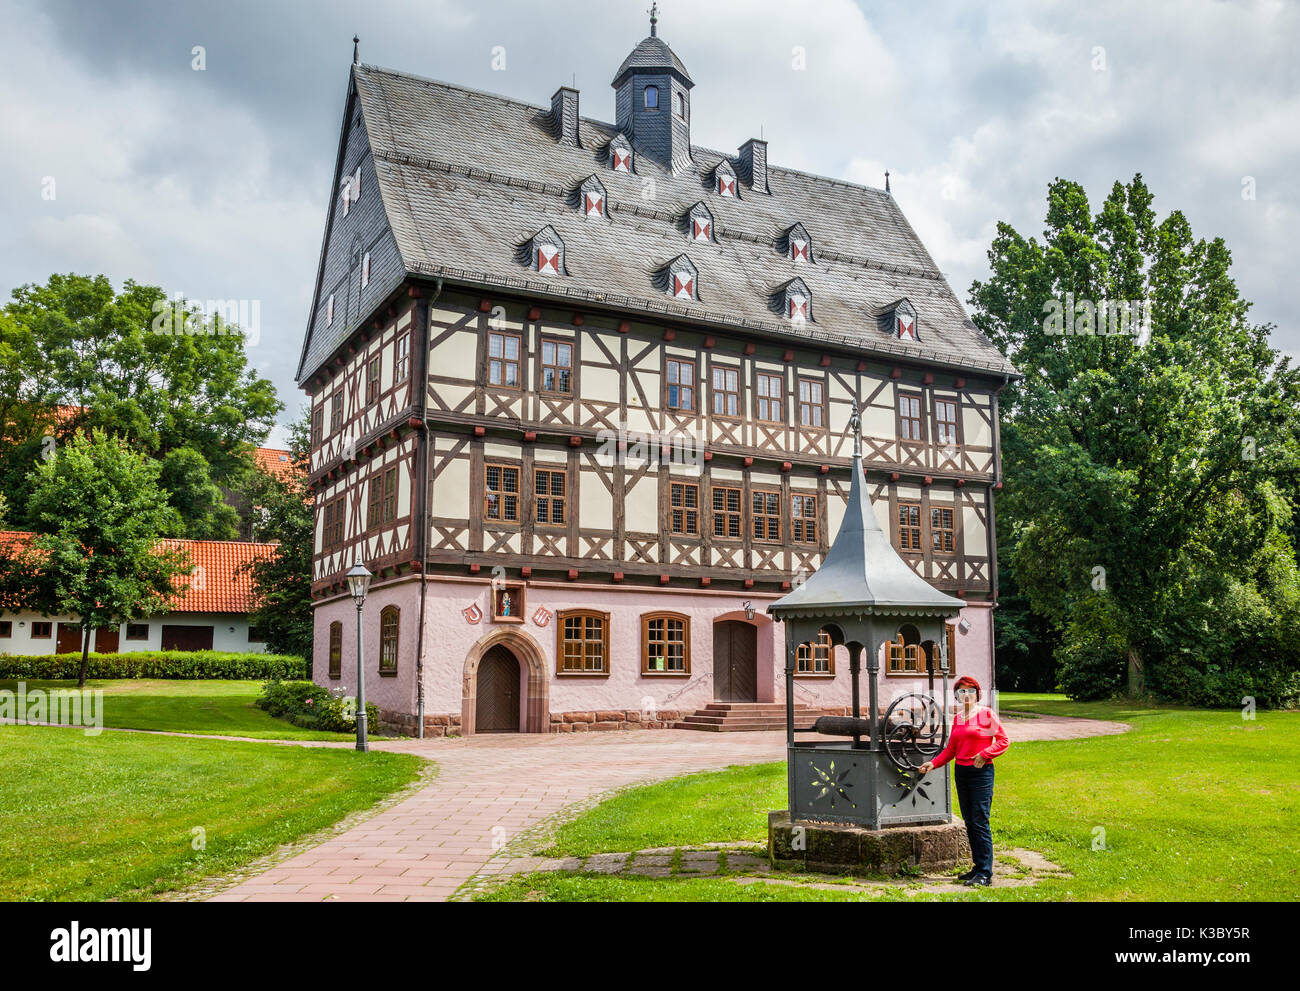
(489, 789)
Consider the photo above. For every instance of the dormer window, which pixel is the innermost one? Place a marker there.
(725, 178)
(593, 201)
(683, 280)
(905, 321)
(545, 252)
(346, 193)
(652, 97)
(329, 311)
(798, 244)
(701, 223)
(680, 105)
(620, 155)
(798, 301)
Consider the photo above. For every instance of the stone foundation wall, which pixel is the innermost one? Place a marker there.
(581, 721)
(603, 720)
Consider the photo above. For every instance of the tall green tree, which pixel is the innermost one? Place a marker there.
(283, 513)
(77, 354)
(99, 513)
(1151, 478)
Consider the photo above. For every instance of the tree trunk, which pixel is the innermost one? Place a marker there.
(1135, 680)
(85, 653)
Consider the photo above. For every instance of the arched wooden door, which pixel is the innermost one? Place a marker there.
(735, 662)
(497, 702)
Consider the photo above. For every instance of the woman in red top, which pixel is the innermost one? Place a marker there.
(975, 739)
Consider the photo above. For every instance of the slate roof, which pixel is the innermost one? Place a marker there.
(652, 53)
(466, 176)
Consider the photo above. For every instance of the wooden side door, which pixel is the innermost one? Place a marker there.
(735, 662)
(69, 639)
(497, 704)
(106, 640)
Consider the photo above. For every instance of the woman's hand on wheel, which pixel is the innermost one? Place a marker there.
(927, 767)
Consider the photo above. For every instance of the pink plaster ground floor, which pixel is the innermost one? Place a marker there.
(459, 632)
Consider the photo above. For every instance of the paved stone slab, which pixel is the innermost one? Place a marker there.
(492, 788)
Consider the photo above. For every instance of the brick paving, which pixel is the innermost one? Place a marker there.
(490, 789)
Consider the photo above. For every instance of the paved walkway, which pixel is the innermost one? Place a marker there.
(489, 789)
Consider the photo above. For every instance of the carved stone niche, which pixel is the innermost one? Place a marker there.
(508, 602)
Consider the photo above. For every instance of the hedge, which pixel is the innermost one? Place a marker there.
(179, 664)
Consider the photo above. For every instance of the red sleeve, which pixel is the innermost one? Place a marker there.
(946, 754)
(1000, 742)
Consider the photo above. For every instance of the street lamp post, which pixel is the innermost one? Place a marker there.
(359, 583)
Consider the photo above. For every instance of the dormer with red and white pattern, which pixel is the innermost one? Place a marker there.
(724, 180)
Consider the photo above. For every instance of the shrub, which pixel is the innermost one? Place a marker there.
(313, 707)
(178, 664)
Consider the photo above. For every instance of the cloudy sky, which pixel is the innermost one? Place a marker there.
(214, 182)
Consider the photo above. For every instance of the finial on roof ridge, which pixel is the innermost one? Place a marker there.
(886, 180)
(654, 19)
(855, 424)
(356, 52)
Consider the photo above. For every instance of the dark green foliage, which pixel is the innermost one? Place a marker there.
(1151, 485)
(112, 358)
(171, 664)
(313, 707)
(99, 513)
(283, 581)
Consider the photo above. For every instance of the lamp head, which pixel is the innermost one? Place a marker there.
(359, 581)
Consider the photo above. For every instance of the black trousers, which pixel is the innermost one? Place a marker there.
(975, 797)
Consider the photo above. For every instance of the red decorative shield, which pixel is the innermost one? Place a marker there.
(542, 616)
(472, 614)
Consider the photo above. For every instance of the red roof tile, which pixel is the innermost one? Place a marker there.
(278, 464)
(217, 584)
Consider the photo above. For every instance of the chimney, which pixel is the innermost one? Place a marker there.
(564, 116)
(753, 164)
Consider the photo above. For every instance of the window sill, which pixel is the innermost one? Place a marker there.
(582, 674)
(815, 675)
(665, 674)
(507, 619)
(388, 674)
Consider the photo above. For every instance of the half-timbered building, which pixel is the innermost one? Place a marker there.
(580, 394)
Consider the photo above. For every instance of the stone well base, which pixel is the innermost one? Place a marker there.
(838, 848)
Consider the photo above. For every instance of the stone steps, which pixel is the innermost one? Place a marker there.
(742, 717)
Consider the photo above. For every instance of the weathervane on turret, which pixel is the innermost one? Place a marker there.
(654, 19)
(356, 52)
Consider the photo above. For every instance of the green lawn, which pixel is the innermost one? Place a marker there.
(212, 707)
(114, 816)
(1194, 804)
